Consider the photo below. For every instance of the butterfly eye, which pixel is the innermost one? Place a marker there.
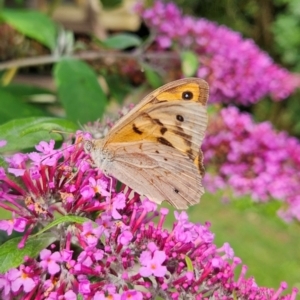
(88, 146)
(187, 95)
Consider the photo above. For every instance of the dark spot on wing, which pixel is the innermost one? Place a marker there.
(155, 100)
(156, 151)
(190, 154)
(180, 118)
(136, 130)
(187, 95)
(157, 121)
(200, 163)
(164, 142)
(165, 159)
(176, 191)
(187, 138)
(163, 130)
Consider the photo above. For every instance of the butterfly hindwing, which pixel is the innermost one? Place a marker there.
(162, 174)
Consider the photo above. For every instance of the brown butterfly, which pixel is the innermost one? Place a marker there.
(155, 148)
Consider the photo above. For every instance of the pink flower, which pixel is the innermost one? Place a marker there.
(132, 295)
(125, 237)
(49, 261)
(17, 224)
(19, 278)
(84, 286)
(91, 235)
(118, 202)
(235, 68)
(153, 266)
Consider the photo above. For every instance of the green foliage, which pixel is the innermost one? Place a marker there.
(118, 87)
(190, 63)
(22, 134)
(25, 92)
(9, 103)
(122, 41)
(63, 219)
(189, 264)
(286, 29)
(10, 258)
(79, 91)
(32, 24)
(109, 4)
(152, 76)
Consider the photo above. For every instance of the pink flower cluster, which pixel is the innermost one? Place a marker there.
(235, 68)
(121, 251)
(253, 159)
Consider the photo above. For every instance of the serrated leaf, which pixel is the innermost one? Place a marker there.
(11, 256)
(63, 219)
(189, 264)
(25, 133)
(79, 91)
(153, 78)
(122, 41)
(189, 63)
(33, 24)
(12, 107)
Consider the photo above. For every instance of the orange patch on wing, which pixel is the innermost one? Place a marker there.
(198, 161)
(200, 93)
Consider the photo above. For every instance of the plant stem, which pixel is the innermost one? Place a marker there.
(87, 55)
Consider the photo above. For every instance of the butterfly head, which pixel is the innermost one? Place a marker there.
(100, 157)
(88, 146)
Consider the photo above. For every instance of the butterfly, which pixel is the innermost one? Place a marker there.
(155, 148)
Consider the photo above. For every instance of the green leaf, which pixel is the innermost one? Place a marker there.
(11, 256)
(79, 91)
(12, 107)
(189, 63)
(32, 24)
(64, 219)
(122, 41)
(153, 78)
(296, 128)
(118, 87)
(3, 163)
(25, 133)
(189, 264)
(109, 4)
(22, 90)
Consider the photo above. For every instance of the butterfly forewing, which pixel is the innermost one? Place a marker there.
(155, 149)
